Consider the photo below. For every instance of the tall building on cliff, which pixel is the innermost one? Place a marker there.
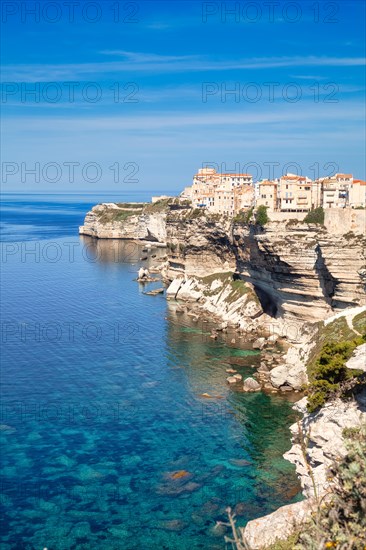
(222, 193)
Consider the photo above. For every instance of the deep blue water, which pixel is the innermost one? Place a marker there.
(107, 440)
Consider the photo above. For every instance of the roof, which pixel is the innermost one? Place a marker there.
(267, 182)
(237, 175)
(344, 175)
(297, 178)
(359, 182)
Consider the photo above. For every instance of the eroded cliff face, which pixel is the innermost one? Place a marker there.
(109, 221)
(301, 270)
(298, 270)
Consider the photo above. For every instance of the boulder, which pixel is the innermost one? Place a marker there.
(231, 380)
(265, 531)
(238, 376)
(155, 292)
(326, 444)
(251, 385)
(259, 343)
(287, 375)
(173, 288)
(142, 273)
(279, 376)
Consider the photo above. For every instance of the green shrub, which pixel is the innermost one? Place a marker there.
(315, 216)
(196, 213)
(329, 370)
(261, 216)
(243, 217)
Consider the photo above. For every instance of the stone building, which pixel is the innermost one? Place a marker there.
(224, 193)
(267, 195)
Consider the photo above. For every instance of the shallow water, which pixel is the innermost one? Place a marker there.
(109, 442)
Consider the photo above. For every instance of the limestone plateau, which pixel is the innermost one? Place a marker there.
(299, 270)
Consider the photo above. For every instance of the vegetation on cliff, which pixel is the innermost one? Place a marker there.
(327, 369)
(117, 215)
(261, 216)
(244, 217)
(315, 216)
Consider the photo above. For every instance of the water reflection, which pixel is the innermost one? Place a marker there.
(120, 251)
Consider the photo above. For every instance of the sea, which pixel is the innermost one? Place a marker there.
(118, 429)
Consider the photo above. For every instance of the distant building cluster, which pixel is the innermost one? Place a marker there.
(231, 193)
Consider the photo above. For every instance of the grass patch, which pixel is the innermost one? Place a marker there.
(114, 215)
(158, 206)
(224, 277)
(359, 322)
(239, 289)
(288, 544)
(128, 205)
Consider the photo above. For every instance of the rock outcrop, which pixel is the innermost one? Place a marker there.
(323, 432)
(266, 530)
(110, 221)
(233, 302)
(298, 271)
(301, 270)
(358, 359)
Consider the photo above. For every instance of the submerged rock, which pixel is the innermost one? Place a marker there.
(155, 292)
(251, 385)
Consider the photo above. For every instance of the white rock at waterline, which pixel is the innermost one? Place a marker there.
(264, 531)
(288, 375)
(174, 287)
(251, 385)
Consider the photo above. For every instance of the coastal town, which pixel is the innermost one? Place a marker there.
(231, 193)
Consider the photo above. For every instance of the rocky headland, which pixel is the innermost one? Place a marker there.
(290, 288)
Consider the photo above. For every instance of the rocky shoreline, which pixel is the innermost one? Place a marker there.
(276, 288)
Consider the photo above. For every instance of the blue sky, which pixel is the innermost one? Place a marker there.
(149, 101)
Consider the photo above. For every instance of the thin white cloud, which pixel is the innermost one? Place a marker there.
(150, 63)
(137, 57)
(313, 115)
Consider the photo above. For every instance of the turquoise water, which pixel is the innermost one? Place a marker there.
(108, 442)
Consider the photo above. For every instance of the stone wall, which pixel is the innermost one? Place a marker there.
(340, 221)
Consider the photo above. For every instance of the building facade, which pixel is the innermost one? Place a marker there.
(220, 193)
(230, 194)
